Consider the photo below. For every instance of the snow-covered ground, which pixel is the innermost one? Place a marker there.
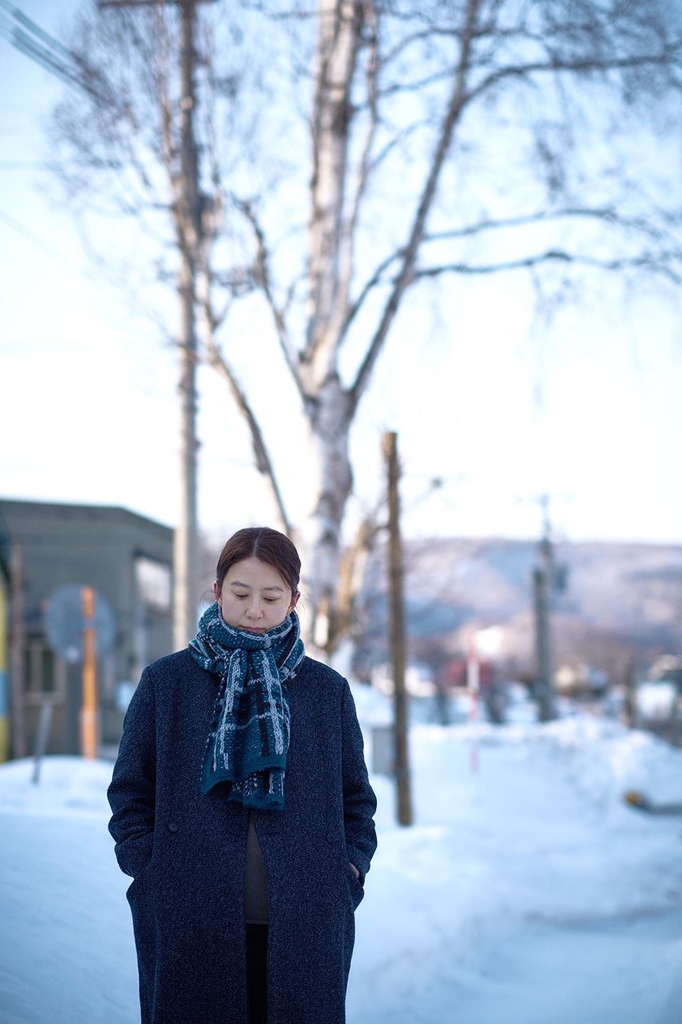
(525, 893)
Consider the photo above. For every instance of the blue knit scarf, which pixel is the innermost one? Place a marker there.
(249, 738)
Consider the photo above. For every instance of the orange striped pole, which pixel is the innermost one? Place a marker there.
(89, 737)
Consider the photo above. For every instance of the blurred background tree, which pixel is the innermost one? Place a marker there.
(322, 161)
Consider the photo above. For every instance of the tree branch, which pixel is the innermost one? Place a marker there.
(455, 107)
(661, 263)
(349, 231)
(340, 38)
(607, 214)
(669, 54)
(263, 265)
(371, 283)
(216, 358)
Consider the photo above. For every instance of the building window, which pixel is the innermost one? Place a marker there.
(153, 583)
(45, 672)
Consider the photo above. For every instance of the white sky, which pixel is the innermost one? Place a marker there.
(484, 396)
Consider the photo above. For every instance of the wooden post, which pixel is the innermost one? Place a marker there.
(543, 580)
(395, 574)
(42, 739)
(89, 730)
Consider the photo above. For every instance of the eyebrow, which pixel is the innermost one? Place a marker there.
(236, 583)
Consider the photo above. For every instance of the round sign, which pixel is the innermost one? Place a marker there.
(65, 622)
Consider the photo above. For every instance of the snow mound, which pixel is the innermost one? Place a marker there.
(66, 786)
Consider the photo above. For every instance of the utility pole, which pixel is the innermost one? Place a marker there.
(186, 550)
(28, 37)
(545, 581)
(190, 236)
(395, 574)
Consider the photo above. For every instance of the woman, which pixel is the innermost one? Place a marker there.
(242, 810)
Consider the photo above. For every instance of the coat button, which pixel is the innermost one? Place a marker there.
(172, 826)
(331, 837)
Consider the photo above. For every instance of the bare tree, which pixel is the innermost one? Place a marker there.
(440, 137)
(397, 90)
(144, 120)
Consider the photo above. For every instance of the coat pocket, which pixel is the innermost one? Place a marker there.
(134, 855)
(357, 891)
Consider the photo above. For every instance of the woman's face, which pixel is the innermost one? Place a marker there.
(254, 596)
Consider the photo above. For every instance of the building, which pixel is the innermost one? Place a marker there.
(127, 559)
(4, 655)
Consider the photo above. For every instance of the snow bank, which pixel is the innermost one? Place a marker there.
(67, 786)
(538, 837)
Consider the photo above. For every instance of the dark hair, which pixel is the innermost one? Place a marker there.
(270, 546)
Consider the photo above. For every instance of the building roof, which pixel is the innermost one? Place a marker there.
(63, 510)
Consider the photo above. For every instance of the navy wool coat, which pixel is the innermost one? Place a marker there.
(186, 852)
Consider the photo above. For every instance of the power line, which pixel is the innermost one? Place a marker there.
(24, 20)
(87, 275)
(21, 165)
(31, 40)
(28, 234)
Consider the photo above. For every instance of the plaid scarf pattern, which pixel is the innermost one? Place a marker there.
(249, 738)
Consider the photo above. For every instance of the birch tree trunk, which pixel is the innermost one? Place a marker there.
(330, 408)
(328, 471)
(327, 404)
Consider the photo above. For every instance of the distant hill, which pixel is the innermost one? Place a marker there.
(623, 599)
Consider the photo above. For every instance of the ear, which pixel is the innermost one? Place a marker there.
(294, 602)
(216, 591)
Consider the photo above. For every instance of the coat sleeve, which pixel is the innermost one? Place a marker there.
(133, 786)
(359, 801)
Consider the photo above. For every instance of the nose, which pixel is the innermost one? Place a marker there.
(254, 611)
